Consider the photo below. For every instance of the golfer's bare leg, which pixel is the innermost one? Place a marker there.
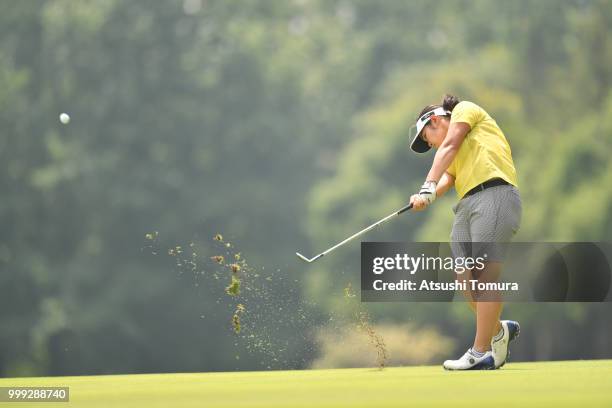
(488, 308)
(466, 277)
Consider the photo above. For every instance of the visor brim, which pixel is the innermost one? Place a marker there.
(418, 145)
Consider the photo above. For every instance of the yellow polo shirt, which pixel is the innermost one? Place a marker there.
(484, 153)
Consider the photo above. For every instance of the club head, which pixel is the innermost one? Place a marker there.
(303, 258)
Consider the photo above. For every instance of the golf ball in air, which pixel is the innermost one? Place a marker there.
(64, 118)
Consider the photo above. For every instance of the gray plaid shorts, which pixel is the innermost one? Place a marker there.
(485, 221)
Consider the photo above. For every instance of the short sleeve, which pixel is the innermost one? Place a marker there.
(467, 112)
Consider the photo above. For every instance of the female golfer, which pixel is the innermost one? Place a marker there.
(474, 156)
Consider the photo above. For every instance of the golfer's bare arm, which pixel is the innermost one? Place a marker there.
(448, 150)
(445, 183)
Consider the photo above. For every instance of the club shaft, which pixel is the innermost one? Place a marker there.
(363, 231)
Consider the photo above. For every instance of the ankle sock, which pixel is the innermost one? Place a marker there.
(476, 353)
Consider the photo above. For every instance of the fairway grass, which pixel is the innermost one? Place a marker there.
(551, 384)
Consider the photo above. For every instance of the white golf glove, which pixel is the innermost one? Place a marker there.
(428, 191)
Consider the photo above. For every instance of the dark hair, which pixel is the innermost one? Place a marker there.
(448, 103)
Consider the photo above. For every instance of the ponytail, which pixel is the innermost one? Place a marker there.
(449, 102)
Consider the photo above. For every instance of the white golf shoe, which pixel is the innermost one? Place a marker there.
(499, 344)
(469, 361)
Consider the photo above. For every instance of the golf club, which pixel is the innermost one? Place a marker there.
(398, 212)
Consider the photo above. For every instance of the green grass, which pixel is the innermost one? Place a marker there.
(552, 384)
